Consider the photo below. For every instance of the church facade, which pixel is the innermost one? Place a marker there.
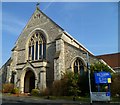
(42, 53)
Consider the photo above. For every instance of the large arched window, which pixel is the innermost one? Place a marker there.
(37, 47)
(78, 66)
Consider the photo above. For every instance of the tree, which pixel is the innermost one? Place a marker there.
(99, 66)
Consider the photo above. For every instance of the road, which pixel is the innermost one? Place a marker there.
(27, 100)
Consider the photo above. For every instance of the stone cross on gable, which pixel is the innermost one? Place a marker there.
(37, 4)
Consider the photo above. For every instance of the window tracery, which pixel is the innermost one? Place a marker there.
(78, 66)
(37, 47)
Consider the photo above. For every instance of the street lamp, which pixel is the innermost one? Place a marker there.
(88, 68)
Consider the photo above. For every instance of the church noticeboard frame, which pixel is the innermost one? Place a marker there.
(102, 78)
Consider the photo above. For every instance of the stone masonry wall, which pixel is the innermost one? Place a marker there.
(42, 23)
(71, 52)
(51, 49)
(59, 62)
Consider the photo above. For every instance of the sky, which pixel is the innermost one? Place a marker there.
(93, 24)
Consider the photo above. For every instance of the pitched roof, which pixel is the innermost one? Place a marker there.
(7, 63)
(111, 59)
(66, 33)
(85, 49)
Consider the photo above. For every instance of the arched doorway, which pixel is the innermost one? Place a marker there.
(29, 81)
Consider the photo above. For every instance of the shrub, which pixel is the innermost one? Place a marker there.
(70, 84)
(67, 86)
(115, 85)
(35, 92)
(45, 92)
(15, 91)
(7, 88)
(56, 88)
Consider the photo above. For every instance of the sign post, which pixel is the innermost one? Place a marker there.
(88, 68)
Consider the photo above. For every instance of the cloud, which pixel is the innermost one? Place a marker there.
(12, 24)
(11, 29)
(49, 4)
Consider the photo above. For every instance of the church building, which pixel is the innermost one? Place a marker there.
(42, 54)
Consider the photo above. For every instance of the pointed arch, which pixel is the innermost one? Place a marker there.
(36, 45)
(22, 77)
(78, 65)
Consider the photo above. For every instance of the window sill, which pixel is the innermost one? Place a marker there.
(40, 60)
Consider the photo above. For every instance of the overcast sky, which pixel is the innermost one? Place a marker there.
(94, 25)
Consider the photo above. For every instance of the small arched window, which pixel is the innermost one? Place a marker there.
(37, 47)
(78, 66)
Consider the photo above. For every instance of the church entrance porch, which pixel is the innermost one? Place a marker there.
(29, 82)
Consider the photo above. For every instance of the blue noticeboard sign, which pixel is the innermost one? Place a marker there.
(102, 77)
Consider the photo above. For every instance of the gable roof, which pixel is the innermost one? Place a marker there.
(7, 63)
(31, 18)
(51, 20)
(65, 33)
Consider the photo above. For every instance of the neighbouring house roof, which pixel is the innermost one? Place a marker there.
(112, 60)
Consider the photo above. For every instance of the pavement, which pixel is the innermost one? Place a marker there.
(27, 100)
